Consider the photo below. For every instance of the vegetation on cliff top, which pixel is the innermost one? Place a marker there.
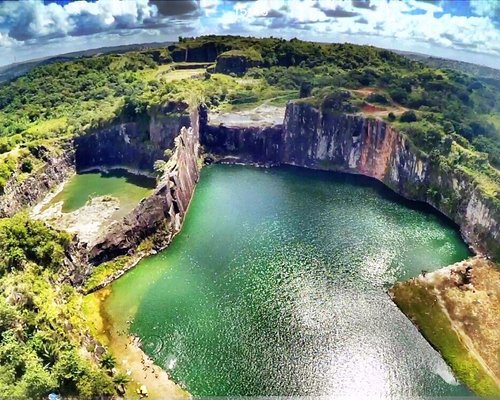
(70, 98)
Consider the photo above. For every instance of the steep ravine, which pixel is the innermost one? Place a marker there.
(350, 143)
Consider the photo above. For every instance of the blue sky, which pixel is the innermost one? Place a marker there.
(467, 30)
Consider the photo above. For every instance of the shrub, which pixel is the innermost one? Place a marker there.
(408, 116)
(23, 239)
(305, 89)
(159, 167)
(377, 98)
(26, 165)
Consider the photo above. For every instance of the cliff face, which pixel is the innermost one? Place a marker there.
(119, 145)
(161, 213)
(35, 187)
(237, 64)
(133, 144)
(206, 52)
(349, 143)
(253, 145)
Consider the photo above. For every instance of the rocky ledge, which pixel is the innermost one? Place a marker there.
(55, 170)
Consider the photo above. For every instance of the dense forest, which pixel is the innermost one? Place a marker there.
(451, 116)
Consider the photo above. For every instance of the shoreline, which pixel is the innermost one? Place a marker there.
(134, 343)
(108, 168)
(131, 359)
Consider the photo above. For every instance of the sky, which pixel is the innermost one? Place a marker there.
(466, 30)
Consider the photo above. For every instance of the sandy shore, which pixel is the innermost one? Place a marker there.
(131, 359)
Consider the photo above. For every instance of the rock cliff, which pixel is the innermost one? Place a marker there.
(235, 63)
(206, 52)
(137, 144)
(162, 213)
(355, 144)
(28, 193)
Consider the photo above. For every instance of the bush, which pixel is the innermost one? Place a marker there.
(23, 239)
(399, 95)
(391, 117)
(408, 116)
(377, 98)
(159, 167)
(305, 89)
(338, 100)
(26, 165)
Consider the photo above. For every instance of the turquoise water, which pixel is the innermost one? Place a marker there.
(276, 286)
(128, 188)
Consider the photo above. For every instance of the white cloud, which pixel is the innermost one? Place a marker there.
(6, 41)
(388, 20)
(33, 19)
(385, 23)
(486, 8)
(208, 7)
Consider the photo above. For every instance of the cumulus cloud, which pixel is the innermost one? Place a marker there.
(178, 8)
(363, 4)
(486, 8)
(339, 12)
(6, 41)
(394, 23)
(33, 19)
(412, 20)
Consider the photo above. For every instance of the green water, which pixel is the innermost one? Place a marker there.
(276, 286)
(128, 188)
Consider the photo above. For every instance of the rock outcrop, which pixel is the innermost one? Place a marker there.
(355, 144)
(162, 213)
(28, 193)
(205, 52)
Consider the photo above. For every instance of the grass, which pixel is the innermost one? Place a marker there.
(48, 128)
(105, 270)
(420, 304)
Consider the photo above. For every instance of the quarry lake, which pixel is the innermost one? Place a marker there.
(276, 285)
(127, 187)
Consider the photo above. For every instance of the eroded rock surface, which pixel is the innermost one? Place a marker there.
(30, 192)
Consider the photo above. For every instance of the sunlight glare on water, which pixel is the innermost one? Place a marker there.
(277, 286)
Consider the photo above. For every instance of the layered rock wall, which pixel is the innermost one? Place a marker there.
(119, 145)
(162, 213)
(137, 144)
